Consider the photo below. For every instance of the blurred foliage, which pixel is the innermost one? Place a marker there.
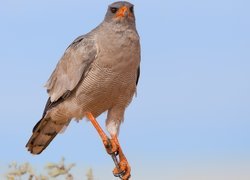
(26, 171)
(89, 174)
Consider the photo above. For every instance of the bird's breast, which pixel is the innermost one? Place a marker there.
(120, 52)
(112, 78)
(103, 89)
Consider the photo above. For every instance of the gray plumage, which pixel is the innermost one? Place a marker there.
(98, 72)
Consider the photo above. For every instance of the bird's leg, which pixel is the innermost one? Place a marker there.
(124, 168)
(113, 147)
(109, 144)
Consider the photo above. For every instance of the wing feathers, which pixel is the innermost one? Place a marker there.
(74, 64)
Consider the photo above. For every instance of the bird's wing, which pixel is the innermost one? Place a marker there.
(72, 67)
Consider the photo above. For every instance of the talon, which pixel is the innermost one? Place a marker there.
(119, 174)
(123, 171)
(116, 153)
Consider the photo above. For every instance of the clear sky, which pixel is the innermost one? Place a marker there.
(191, 116)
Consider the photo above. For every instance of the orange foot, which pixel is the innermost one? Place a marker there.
(110, 146)
(113, 148)
(123, 171)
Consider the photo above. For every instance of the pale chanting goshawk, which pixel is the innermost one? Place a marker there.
(98, 72)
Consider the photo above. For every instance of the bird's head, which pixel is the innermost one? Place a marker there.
(120, 12)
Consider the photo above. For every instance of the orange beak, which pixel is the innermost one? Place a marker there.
(121, 12)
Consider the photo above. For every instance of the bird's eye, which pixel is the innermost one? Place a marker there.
(131, 9)
(113, 9)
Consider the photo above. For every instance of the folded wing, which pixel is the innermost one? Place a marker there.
(73, 66)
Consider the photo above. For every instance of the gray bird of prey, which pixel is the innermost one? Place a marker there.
(98, 72)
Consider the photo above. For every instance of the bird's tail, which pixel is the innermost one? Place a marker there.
(43, 133)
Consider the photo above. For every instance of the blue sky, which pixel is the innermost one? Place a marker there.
(192, 110)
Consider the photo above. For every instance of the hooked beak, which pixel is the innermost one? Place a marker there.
(122, 12)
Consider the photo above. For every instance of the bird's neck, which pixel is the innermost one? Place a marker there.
(118, 27)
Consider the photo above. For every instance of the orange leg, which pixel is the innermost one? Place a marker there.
(113, 147)
(108, 143)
